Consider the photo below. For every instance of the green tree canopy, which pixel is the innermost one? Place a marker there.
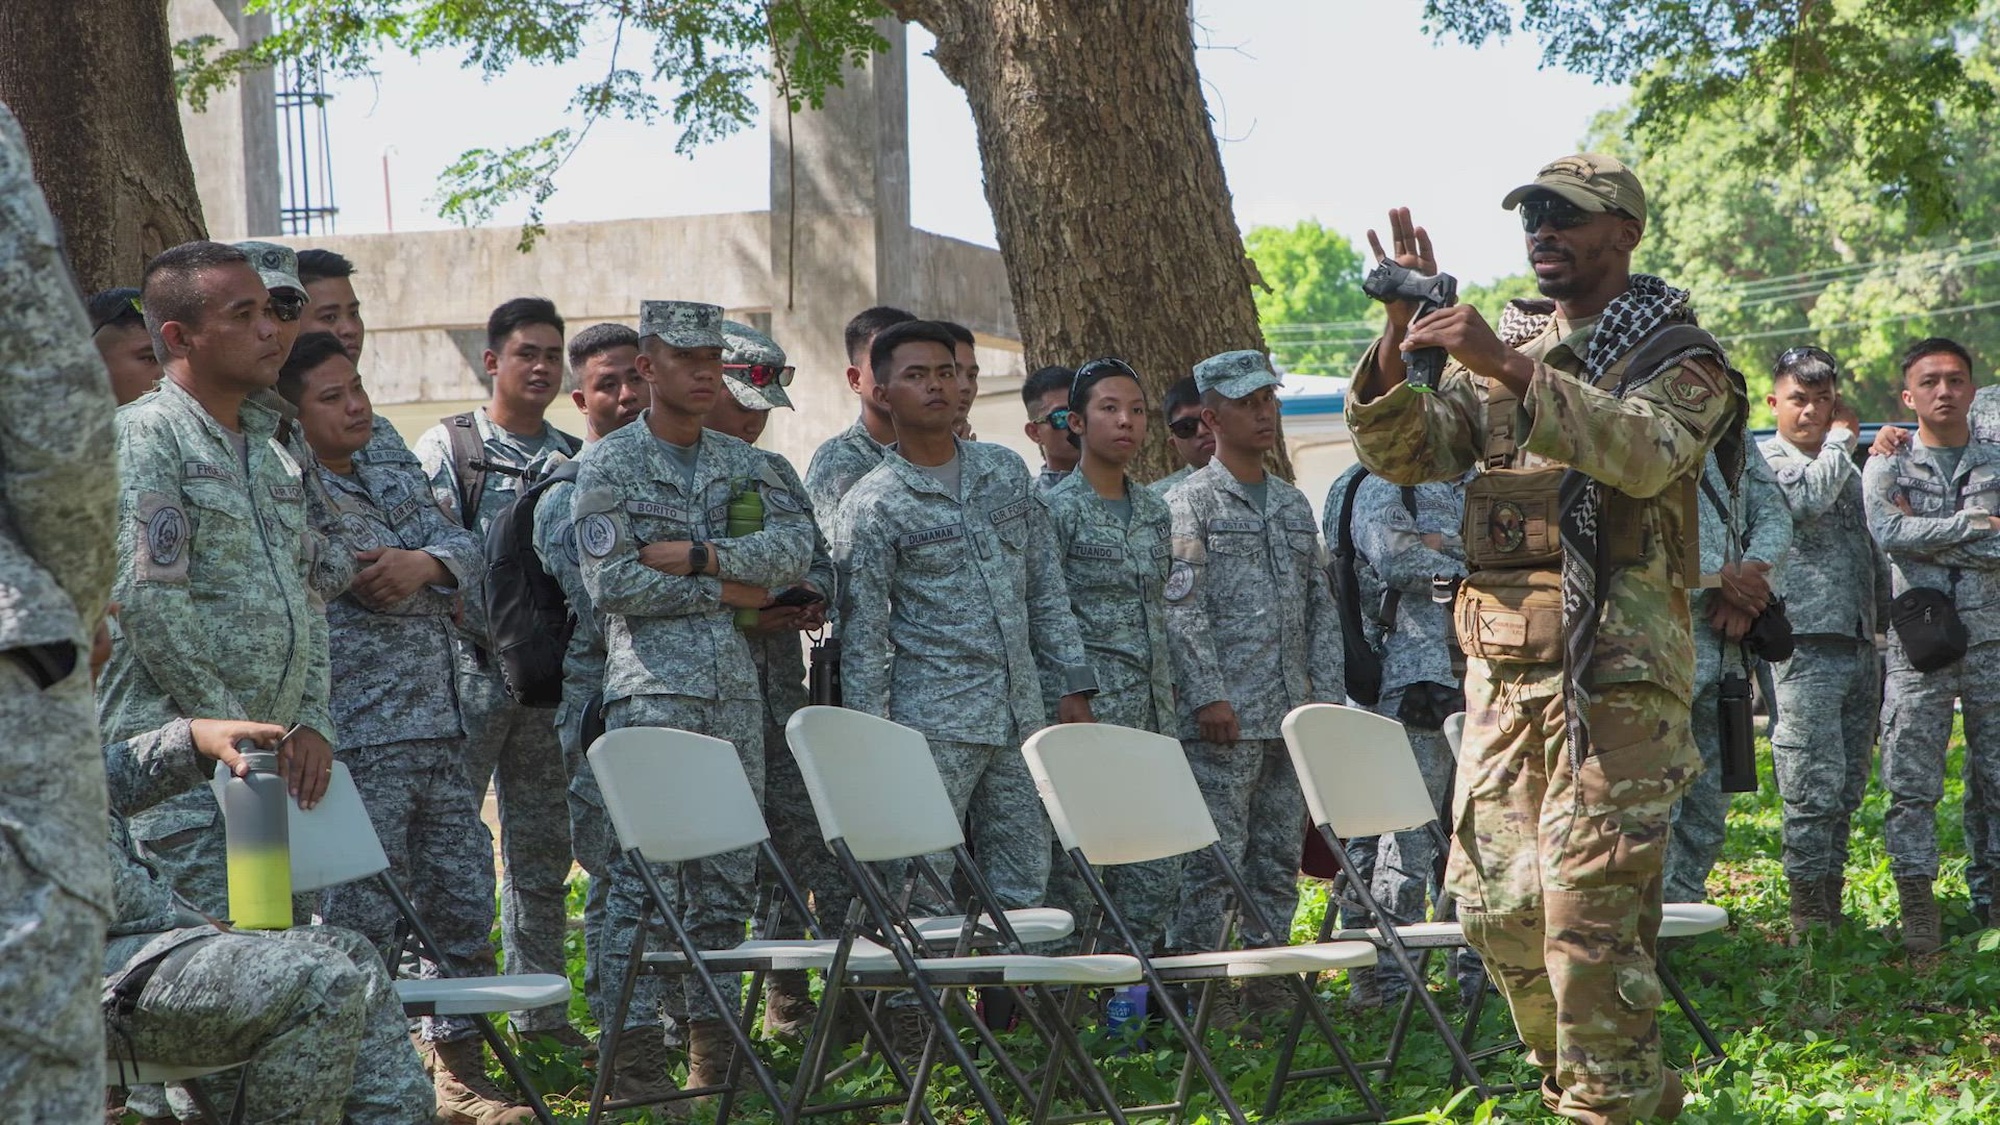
(1315, 317)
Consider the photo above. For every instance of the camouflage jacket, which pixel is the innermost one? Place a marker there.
(953, 614)
(331, 564)
(667, 634)
(1166, 483)
(392, 679)
(780, 659)
(1390, 554)
(1835, 575)
(1648, 444)
(1930, 526)
(836, 467)
(1758, 529)
(1048, 478)
(1250, 618)
(142, 772)
(555, 545)
(1116, 573)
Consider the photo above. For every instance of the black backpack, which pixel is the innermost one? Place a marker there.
(528, 621)
(1362, 662)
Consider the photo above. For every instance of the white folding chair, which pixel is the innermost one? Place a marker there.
(1361, 779)
(334, 842)
(675, 796)
(1117, 796)
(876, 792)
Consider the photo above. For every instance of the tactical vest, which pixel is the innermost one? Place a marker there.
(1509, 608)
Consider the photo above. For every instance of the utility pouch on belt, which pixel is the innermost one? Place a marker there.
(1511, 616)
(1927, 623)
(1512, 518)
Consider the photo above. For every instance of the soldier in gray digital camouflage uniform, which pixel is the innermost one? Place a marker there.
(755, 374)
(218, 619)
(311, 1009)
(651, 509)
(1930, 506)
(843, 459)
(1187, 434)
(1254, 634)
(512, 745)
(58, 487)
(1745, 552)
(1829, 694)
(402, 735)
(1112, 533)
(1404, 536)
(971, 673)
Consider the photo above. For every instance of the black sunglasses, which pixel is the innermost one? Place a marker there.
(1185, 428)
(287, 307)
(1558, 213)
(1059, 418)
(761, 374)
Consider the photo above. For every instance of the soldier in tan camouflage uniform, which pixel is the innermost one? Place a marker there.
(58, 487)
(651, 507)
(1589, 418)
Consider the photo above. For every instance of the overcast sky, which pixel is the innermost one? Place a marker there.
(1326, 109)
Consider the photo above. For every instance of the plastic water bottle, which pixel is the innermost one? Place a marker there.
(258, 832)
(746, 517)
(1125, 1012)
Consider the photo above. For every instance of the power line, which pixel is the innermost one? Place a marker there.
(1814, 329)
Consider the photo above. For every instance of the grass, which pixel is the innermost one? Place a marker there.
(1842, 1029)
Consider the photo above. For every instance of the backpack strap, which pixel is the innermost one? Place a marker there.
(465, 449)
(1392, 598)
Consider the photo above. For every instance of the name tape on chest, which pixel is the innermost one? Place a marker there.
(402, 513)
(288, 493)
(1014, 511)
(657, 510)
(1101, 551)
(204, 470)
(1246, 525)
(1306, 526)
(941, 534)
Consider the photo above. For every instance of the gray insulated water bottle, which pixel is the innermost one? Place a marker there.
(256, 818)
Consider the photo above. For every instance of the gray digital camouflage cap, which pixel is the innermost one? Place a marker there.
(681, 324)
(1590, 180)
(277, 265)
(1234, 374)
(745, 346)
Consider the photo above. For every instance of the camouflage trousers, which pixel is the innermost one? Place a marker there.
(1701, 816)
(795, 834)
(994, 796)
(1401, 868)
(1260, 818)
(515, 749)
(1557, 874)
(1829, 697)
(714, 897)
(439, 851)
(595, 846)
(313, 1010)
(51, 936)
(1916, 730)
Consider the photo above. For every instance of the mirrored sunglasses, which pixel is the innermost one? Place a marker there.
(761, 374)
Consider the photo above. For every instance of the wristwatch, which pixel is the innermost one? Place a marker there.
(698, 558)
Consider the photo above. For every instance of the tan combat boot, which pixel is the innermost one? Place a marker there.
(1920, 916)
(1808, 908)
(640, 1072)
(789, 1010)
(465, 1096)
(709, 1050)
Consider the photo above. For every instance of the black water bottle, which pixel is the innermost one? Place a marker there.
(1739, 745)
(823, 679)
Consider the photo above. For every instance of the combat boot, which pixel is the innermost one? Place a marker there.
(1808, 908)
(1673, 1094)
(465, 1096)
(1364, 990)
(1833, 889)
(789, 1010)
(1920, 915)
(710, 1049)
(640, 1072)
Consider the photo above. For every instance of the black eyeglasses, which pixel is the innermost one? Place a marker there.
(1185, 428)
(1059, 418)
(287, 307)
(1558, 213)
(761, 374)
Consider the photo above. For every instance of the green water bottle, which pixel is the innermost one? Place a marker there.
(746, 517)
(257, 832)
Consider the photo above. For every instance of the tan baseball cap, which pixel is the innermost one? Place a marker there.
(1591, 180)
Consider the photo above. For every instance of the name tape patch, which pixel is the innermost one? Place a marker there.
(1013, 511)
(1248, 525)
(930, 535)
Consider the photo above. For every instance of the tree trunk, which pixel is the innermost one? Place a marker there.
(1105, 181)
(92, 84)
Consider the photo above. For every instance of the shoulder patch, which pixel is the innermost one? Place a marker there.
(596, 534)
(1180, 580)
(785, 500)
(1690, 389)
(163, 527)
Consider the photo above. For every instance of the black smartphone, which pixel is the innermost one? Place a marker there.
(798, 596)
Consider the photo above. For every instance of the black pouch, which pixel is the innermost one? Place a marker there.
(1927, 623)
(1426, 705)
(1770, 636)
(823, 678)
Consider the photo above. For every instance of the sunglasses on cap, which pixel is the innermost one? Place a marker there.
(1099, 369)
(1805, 352)
(287, 307)
(1185, 428)
(761, 374)
(1059, 418)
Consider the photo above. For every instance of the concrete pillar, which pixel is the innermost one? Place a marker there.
(233, 143)
(840, 234)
